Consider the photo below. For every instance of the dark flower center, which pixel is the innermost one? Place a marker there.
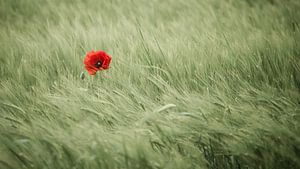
(98, 64)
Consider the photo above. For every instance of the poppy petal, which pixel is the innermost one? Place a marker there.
(94, 57)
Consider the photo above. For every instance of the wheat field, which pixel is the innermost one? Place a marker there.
(193, 84)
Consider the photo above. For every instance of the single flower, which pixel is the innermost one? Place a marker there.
(96, 60)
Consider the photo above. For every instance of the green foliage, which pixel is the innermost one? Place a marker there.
(193, 84)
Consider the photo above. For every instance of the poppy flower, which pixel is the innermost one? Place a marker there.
(96, 60)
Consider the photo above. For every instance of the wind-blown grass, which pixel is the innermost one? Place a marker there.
(192, 84)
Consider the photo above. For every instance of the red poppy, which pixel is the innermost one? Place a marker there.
(96, 60)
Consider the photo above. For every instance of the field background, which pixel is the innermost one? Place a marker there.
(193, 84)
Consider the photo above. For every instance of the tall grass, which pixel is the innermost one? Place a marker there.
(193, 84)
